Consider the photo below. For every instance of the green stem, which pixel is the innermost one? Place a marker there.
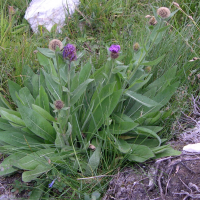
(142, 57)
(110, 74)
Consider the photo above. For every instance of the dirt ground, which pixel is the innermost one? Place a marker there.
(171, 178)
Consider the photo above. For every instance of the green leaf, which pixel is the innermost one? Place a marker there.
(6, 167)
(18, 139)
(154, 62)
(13, 112)
(75, 82)
(53, 87)
(120, 117)
(37, 193)
(13, 87)
(4, 102)
(37, 124)
(102, 93)
(59, 142)
(149, 133)
(44, 100)
(47, 52)
(85, 72)
(122, 127)
(169, 151)
(104, 110)
(79, 91)
(94, 161)
(164, 80)
(141, 99)
(12, 118)
(43, 113)
(163, 29)
(140, 153)
(29, 176)
(123, 146)
(5, 125)
(32, 160)
(35, 84)
(26, 97)
(28, 73)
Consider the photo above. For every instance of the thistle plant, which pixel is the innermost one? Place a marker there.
(76, 121)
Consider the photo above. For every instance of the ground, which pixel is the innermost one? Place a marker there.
(171, 178)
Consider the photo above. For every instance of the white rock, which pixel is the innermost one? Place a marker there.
(49, 12)
(192, 148)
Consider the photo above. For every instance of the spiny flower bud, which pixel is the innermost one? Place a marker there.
(163, 12)
(148, 68)
(69, 51)
(91, 146)
(153, 21)
(148, 16)
(114, 49)
(55, 43)
(176, 4)
(136, 46)
(193, 59)
(58, 104)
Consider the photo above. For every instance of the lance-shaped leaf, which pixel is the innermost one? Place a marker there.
(13, 118)
(13, 87)
(141, 99)
(4, 102)
(149, 133)
(25, 97)
(154, 62)
(104, 110)
(32, 160)
(79, 91)
(6, 167)
(18, 139)
(122, 127)
(33, 174)
(53, 87)
(94, 161)
(37, 124)
(43, 113)
(140, 153)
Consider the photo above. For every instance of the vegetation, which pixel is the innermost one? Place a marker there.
(69, 123)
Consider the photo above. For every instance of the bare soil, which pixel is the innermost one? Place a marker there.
(166, 179)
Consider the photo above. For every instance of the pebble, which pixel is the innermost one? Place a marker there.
(194, 148)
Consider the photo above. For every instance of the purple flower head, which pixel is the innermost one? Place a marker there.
(114, 48)
(69, 51)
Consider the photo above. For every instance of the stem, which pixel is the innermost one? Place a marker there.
(68, 100)
(112, 66)
(142, 58)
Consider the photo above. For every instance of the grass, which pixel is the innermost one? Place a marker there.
(95, 25)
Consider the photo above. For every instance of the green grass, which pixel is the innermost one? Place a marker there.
(95, 25)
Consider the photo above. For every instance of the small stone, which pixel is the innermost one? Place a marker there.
(194, 148)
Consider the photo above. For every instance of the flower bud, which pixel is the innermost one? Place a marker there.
(54, 43)
(176, 4)
(153, 21)
(148, 16)
(92, 147)
(163, 12)
(148, 68)
(136, 46)
(59, 104)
